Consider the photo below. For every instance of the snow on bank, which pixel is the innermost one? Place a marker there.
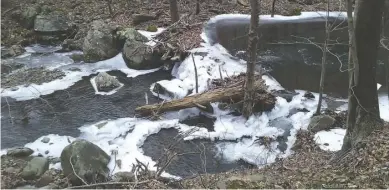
(303, 15)
(33, 91)
(61, 61)
(124, 135)
(331, 140)
(383, 103)
(127, 135)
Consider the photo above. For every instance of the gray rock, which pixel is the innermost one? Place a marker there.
(13, 51)
(10, 170)
(55, 160)
(45, 140)
(106, 82)
(309, 95)
(288, 95)
(28, 16)
(138, 55)
(100, 42)
(74, 69)
(36, 75)
(124, 177)
(77, 57)
(35, 168)
(131, 34)
(51, 24)
(88, 160)
(20, 152)
(321, 122)
(8, 66)
(72, 44)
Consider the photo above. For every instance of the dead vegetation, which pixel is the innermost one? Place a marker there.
(310, 167)
(121, 13)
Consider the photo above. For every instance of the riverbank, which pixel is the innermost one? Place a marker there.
(82, 13)
(127, 135)
(310, 167)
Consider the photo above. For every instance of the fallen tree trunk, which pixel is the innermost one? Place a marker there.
(264, 101)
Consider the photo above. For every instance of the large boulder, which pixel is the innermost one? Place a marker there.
(106, 82)
(138, 55)
(13, 51)
(52, 24)
(20, 152)
(321, 122)
(35, 168)
(130, 34)
(85, 159)
(100, 43)
(28, 16)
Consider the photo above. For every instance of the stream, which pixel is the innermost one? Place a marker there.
(221, 142)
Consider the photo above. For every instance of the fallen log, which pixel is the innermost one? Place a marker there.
(264, 101)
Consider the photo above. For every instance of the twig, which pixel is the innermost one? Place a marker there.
(196, 77)
(71, 164)
(199, 105)
(9, 111)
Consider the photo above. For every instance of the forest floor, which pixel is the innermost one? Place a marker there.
(310, 167)
(82, 13)
(307, 167)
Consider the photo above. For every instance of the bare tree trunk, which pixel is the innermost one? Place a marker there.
(273, 8)
(174, 11)
(363, 115)
(385, 23)
(197, 7)
(109, 3)
(252, 49)
(324, 60)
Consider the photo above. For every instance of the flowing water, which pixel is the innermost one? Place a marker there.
(295, 66)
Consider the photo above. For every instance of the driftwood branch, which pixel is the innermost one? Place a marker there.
(232, 94)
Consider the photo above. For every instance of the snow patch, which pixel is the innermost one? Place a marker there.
(303, 15)
(34, 91)
(331, 140)
(151, 35)
(124, 135)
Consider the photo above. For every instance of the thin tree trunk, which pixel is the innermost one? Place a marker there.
(109, 2)
(385, 23)
(197, 7)
(324, 60)
(273, 8)
(174, 11)
(252, 49)
(363, 115)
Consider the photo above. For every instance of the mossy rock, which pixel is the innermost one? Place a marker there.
(295, 12)
(152, 28)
